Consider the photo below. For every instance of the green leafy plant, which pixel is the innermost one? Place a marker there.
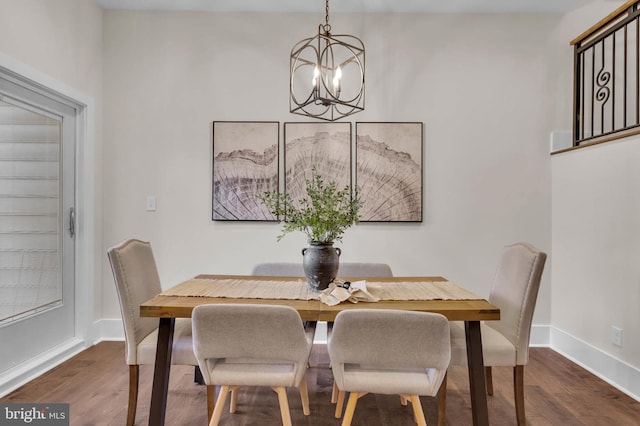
(323, 215)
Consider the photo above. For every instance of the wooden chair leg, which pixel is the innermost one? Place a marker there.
(304, 395)
(233, 405)
(489, 379)
(442, 402)
(134, 378)
(351, 407)
(334, 393)
(284, 405)
(403, 400)
(211, 398)
(418, 414)
(518, 393)
(217, 410)
(339, 404)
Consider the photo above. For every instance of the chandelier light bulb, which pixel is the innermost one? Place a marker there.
(336, 81)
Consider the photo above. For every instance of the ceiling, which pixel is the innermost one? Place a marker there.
(431, 6)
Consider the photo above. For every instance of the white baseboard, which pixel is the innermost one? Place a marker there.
(321, 333)
(17, 376)
(540, 335)
(617, 373)
(108, 329)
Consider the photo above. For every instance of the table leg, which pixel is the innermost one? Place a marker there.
(477, 384)
(161, 372)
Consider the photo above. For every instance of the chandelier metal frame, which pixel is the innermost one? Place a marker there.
(327, 74)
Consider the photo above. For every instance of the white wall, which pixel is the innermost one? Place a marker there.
(596, 245)
(478, 82)
(595, 219)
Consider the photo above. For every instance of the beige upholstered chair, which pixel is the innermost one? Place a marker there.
(137, 280)
(389, 352)
(506, 342)
(347, 269)
(251, 345)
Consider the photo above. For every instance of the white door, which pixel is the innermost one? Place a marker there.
(37, 173)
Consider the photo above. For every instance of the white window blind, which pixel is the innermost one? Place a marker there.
(30, 274)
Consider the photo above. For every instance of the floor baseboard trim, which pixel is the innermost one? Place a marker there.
(108, 330)
(29, 370)
(617, 373)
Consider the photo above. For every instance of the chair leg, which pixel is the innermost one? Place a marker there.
(489, 378)
(339, 404)
(217, 410)
(351, 407)
(304, 396)
(134, 378)
(417, 410)
(518, 393)
(233, 405)
(334, 393)
(211, 398)
(284, 405)
(442, 402)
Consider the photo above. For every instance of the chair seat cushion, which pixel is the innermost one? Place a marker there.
(391, 382)
(252, 372)
(497, 350)
(182, 353)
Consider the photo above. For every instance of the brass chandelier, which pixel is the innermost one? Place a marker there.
(327, 74)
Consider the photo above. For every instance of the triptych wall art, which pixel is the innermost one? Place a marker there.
(384, 161)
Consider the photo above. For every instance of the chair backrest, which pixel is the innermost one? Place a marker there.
(347, 269)
(515, 291)
(249, 331)
(390, 339)
(359, 269)
(136, 276)
(283, 269)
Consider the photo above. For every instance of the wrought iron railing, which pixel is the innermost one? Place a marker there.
(607, 78)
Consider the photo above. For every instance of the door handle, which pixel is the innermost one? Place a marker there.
(72, 222)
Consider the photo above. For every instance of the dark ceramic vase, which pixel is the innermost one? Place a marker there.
(320, 262)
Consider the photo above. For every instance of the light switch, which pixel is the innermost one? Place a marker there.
(151, 203)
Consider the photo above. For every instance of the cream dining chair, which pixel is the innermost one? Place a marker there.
(251, 345)
(136, 277)
(506, 342)
(346, 269)
(389, 352)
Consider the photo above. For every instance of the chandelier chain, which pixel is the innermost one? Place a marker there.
(326, 12)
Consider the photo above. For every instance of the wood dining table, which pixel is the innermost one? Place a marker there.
(180, 302)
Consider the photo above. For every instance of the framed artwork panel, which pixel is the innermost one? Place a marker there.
(389, 171)
(245, 164)
(327, 146)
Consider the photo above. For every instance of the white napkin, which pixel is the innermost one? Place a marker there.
(354, 292)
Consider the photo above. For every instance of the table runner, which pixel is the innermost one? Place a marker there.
(299, 290)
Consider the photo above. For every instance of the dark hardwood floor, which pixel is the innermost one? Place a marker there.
(557, 392)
